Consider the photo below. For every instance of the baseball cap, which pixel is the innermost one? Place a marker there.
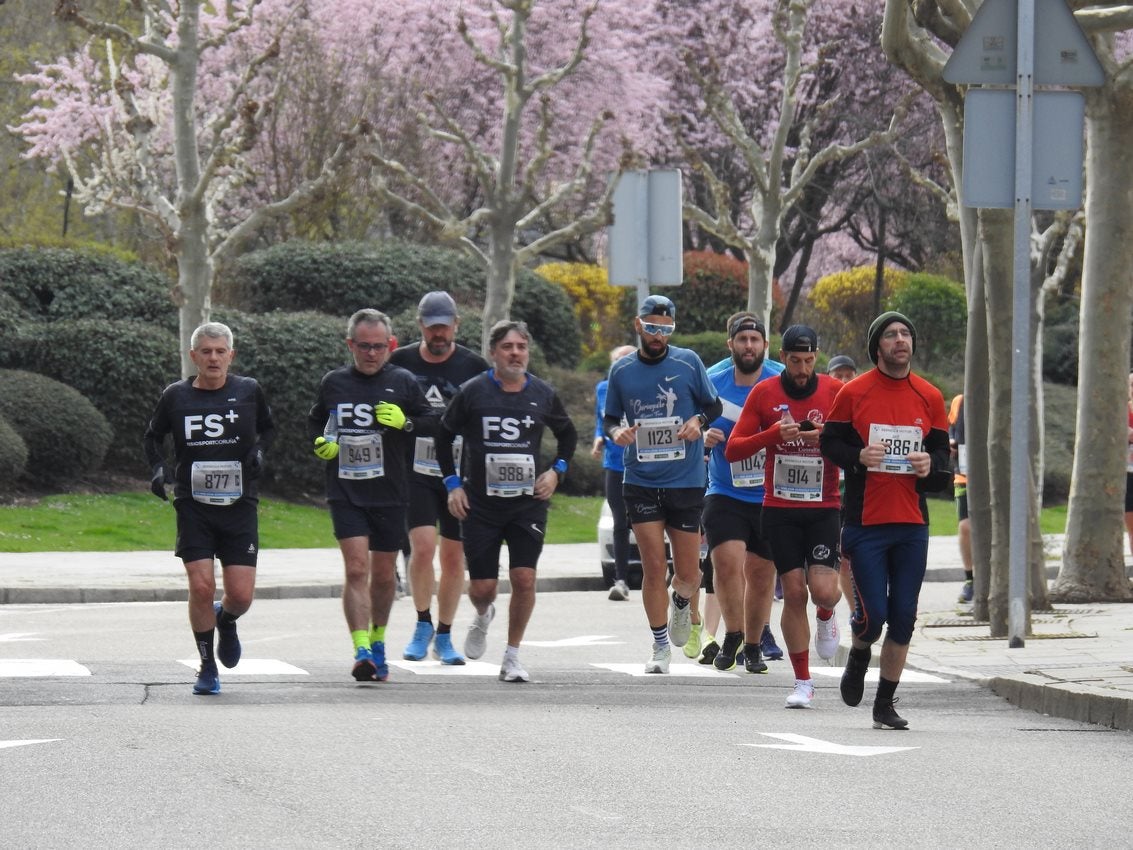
(841, 361)
(437, 308)
(657, 305)
(800, 338)
(746, 323)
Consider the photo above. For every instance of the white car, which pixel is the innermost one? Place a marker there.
(606, 551)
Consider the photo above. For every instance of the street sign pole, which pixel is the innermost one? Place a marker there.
(1019, 533)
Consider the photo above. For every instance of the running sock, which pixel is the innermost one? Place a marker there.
(360, 638)
(377, 634)
(204, 646)
(885, 690)
(444, 628)
(224, 618)
(825, 614)
(512, 652)
(660, 634)
(680, 601)
(967, 575)
(424, 616)
(801, 662)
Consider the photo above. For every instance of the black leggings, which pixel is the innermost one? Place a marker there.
(617, 505)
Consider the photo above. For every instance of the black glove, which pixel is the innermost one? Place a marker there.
(157, 483)
(254, 463)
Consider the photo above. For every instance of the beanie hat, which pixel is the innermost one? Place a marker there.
(878, 327)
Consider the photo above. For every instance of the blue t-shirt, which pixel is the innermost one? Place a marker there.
(721, 480)
(675, 386)
(770, 367)
(612, 456)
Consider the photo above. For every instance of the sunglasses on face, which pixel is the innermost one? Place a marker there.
(367, 347)
(654, 328)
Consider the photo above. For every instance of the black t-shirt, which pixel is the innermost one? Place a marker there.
(214, 433)
(503, 433)
(371, 469)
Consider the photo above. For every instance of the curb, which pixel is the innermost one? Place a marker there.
(1085, 703)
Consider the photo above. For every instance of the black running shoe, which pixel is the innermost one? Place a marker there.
(885, 717)
(709, 653)
(726, 658)
(228, 643)
(853, 677)
(752, 662)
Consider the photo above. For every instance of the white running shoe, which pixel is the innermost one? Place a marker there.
(659, 663)
(477, 640)
(511, 671)
(680, 623)
(801, 696)
(826, 637)
(619, 592)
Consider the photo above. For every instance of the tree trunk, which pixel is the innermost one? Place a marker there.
(1037, 581)
(1093, 563)
(501, 277)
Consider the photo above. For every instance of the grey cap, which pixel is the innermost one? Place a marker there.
(437, 308)
(657, 305)
(840, 361)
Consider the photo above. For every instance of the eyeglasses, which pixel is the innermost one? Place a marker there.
(367, 347)
(654, 328)
(897, 333)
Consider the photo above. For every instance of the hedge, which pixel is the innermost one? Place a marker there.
(13, 454)
(65, 435)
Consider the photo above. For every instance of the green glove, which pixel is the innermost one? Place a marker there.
(326, 449)
(389, 415)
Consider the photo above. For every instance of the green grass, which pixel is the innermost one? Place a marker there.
(123, 522)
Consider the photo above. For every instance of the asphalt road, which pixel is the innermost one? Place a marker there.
(589, 754)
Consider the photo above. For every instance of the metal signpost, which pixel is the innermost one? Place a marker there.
(1047, 48)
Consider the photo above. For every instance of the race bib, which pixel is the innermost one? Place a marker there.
(798, 478)
(899, 441)
(1129, 459)
(360, 456)
(425, 455)
(509, 475)
(962, 459)
(657, 440)
(749, 472)
(216, 482)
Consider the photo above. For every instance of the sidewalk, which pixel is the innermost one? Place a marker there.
(1077, 663)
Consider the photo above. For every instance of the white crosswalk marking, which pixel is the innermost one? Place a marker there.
(691, 671)
(27, 667)
(431, 667)
(253, 667)
(907, 676)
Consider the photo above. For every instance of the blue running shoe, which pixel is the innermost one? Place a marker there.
(208, 681)
(378, 654)
(418, 648)
(228, 643)
(445, 652)
(363, 665)
(767, 646)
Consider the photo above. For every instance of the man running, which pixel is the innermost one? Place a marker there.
(221, 426)
(501, 414)
(441, 366)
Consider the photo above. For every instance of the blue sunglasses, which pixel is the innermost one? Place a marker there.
(654, 328)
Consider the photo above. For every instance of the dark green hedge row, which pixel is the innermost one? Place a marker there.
(65, 436)
(392, 276)
(13, 453)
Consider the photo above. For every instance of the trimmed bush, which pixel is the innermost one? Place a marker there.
(596, 303)
(288, 353)
(392, 277)
(125, 364)
(939, 309)
(65, 435)
(577, 391)
(13, 454)
(842, 307)
(55, 283)
(711, 346)
(1060, 343)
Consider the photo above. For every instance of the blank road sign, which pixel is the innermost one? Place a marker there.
(645, 240)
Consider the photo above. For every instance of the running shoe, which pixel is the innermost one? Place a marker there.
(752, 662)
(802, 695)
(477, 639)
(726, 657)
(692, 645)
(418, 648)
(378, 652)
(619, 592)
(512, 671)
(710, 651)
(208, 680)
(227, 642)
(826, 637)
(659, 662)
(853, 677)
(363, 665)
(886, 717)
(965, 592)
(680, 622)
(767, 646)
(445, 652)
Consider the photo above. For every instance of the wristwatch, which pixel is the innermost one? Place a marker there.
(408, 426)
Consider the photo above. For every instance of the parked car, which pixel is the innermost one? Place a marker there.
(606, 551)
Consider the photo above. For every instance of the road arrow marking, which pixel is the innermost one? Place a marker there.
(803, 744)
(690, 671)
(432, 667)
(581, 640)
(6, 744)
(13, 637)
(907, 676)
(253, 667)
